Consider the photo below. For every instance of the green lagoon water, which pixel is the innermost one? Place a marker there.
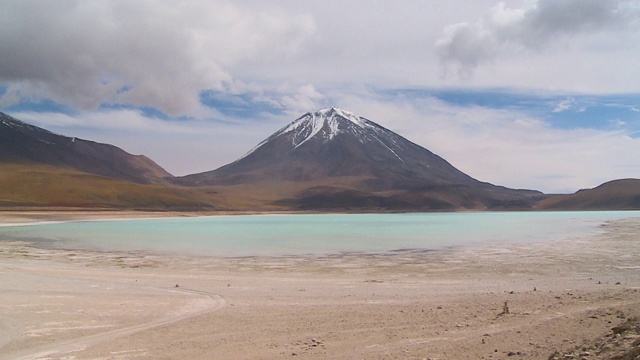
(280, 235)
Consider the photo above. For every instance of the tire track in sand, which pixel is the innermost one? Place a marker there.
(46, 351)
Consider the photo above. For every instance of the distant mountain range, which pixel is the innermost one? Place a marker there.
(330, 160)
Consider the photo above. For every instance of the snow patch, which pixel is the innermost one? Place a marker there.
(388, 148)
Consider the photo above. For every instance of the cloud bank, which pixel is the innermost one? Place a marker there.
(160, 54)
(507, 31)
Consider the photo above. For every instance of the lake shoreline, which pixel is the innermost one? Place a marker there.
(446, 304)
(283, 235)
(29, 215)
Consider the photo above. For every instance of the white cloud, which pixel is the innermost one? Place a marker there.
(617, 122)
(120, 120)
(147, 53)
(565, 105)
(162, 54)
(306, 99)
(504, 32)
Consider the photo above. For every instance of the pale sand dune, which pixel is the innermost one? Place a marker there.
(58, 304)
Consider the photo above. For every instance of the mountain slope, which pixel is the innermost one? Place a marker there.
(332, 143)
(24, 143)
(623, 194)
(342, 155)
(43, 186)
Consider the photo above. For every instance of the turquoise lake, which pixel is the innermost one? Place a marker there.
(280, 235)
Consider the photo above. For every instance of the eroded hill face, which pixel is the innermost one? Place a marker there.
(24, 143)
(623, 194)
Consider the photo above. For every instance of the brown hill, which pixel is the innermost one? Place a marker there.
(43, 186)
(22, 143)
(621, 194)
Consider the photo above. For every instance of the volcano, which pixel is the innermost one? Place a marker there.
(334, 158)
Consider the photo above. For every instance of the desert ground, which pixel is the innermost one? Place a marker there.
(576, 298)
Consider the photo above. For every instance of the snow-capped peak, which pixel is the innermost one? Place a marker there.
(309, 125)
(330, 113)
(327, 122)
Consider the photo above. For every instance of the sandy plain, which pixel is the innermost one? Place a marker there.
(563, 298)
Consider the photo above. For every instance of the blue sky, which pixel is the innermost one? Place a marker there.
(541, 94)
